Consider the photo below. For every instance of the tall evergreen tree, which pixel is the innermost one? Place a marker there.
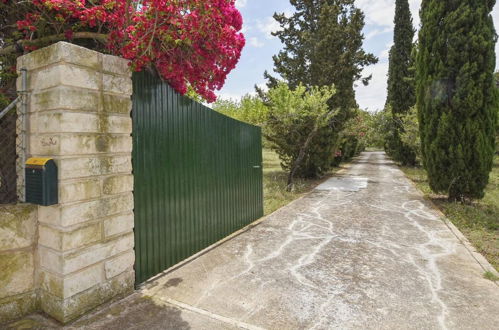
(456, 97)
(401, 94)
(400, 89)
(322, 47)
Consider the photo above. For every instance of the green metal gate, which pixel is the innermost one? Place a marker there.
(198, 176)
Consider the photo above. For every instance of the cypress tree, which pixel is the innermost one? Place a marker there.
(401, 93)
(456, 97)
(322, 47)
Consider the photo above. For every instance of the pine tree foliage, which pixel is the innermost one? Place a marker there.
(401, 93)
(456, 95)
(322, 47)
(400, 89)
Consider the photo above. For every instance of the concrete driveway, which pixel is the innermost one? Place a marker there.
(362, 251)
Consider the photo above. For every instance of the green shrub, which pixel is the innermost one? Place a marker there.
(296, 119)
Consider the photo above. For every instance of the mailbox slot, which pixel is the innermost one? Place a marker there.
(41, 181)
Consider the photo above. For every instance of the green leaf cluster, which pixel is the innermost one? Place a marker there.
(410, 133)
(377, 127)
(296, 118)
(355, 136)
(249, 109)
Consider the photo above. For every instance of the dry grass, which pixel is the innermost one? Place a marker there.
(478, 221)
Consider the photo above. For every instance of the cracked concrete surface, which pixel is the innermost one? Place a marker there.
(364, 250)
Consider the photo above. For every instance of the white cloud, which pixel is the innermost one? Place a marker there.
(237, 95)
(379, 19)
(383, 56)
(495, 15)
(376, 32)
(288, 12)
(246, 28)
(228, 96)
(415, 5)
(372, 97)
(263, 86)
(267, 26)
(381, 12)
(241, 3)
(255, 42)
(233, 96)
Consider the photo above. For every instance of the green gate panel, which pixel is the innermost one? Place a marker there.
(197, 175)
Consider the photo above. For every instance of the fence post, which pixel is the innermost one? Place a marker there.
(22, 133)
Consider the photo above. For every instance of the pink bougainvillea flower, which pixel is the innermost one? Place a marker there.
(192, 43)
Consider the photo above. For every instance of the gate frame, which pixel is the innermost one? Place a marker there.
(183, 128)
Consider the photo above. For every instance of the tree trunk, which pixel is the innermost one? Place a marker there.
(301, 156)
(303, 150)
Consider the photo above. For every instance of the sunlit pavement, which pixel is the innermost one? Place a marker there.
(362, 251)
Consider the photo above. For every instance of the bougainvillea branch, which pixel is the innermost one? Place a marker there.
(26, 43)
(191, 43)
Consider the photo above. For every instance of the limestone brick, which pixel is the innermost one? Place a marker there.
(116, 65)
(65, 310)
(65, 121)
(79, 167)
(117, 84)
(119, 264)
(67, 286)
(15, 306)
(68, 240)
(64, 263)
(79, 190)
(117, 184)
(65, 98)
(60, 52)
(118, 225)
(17, 269)
(118, 104)
(17, 226)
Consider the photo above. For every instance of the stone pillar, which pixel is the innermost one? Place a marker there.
(17, 261)
(79, 114)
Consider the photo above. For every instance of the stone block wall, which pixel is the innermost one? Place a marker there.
(18, 237)
(79, 114)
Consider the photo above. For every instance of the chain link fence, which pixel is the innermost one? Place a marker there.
(8, 158)
(12, 145)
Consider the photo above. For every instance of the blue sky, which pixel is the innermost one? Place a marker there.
(260, 46)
